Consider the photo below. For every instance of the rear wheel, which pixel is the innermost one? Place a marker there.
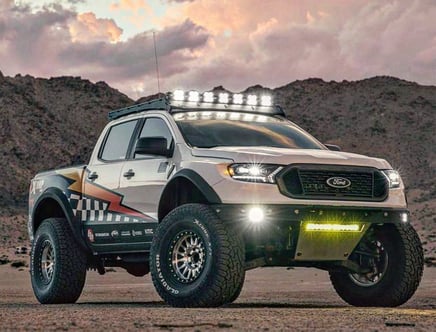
(196, 260)
(392, 258)
(58, 265)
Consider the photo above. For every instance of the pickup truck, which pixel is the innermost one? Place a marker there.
(196, 188)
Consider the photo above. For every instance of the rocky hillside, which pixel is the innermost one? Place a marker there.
(48, 123)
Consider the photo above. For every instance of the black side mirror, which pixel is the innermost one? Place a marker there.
(153, 146)
(333, 147)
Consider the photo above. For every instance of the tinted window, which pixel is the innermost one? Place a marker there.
(117, 141)
(155, 127)
(211, 129)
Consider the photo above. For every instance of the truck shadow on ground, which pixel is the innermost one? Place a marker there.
(253, 305)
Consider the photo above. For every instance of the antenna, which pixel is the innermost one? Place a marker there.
(157, 64)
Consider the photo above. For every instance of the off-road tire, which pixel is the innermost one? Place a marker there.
(401, 278)
(222, 275)
(69, 269)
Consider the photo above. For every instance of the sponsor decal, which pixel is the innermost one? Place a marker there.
(91, 235)
(115, 233)
(136, 233)
(125, 233)
(338, 182)
(148, 231)
(104, 234)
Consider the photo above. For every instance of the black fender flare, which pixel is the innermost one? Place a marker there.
(201, 184)
(59, 197)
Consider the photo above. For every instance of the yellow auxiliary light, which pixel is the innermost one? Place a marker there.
(321, 227)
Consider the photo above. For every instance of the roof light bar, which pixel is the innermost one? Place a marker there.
(223, 98)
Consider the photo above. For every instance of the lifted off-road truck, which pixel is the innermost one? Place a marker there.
(198, 188)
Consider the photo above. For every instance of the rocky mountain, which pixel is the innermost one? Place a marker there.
(49, 123)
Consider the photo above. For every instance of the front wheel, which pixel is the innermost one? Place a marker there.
(196, 260)
(392, 258)
(58, 265)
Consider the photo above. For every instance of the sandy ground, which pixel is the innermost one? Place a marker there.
(272, 299)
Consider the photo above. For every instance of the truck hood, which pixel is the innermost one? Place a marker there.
(270, 155)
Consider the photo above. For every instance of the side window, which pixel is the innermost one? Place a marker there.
(156, 127)
(117, 141)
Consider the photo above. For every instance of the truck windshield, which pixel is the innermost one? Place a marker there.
(213, 129)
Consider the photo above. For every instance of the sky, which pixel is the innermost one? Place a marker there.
(206, 43)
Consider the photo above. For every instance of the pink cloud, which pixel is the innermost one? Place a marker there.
(88, 28)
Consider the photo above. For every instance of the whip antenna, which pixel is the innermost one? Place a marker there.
(157, 63)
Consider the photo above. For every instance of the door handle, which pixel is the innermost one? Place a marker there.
(129, 173)
(92, 176)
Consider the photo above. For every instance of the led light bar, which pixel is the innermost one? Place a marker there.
(322, 227)
(223, 98)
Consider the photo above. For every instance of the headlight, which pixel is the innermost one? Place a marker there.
(393, 178)
(254, 172)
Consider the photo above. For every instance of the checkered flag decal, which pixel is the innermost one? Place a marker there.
(90, 209)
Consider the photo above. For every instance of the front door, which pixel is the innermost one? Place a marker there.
(110, 224)
(144, 177)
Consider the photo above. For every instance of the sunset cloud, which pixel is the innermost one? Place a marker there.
(205, 43)
(88, 28)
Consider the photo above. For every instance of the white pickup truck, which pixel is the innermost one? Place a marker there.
(197, 188)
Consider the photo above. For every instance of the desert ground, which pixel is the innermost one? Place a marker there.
(272, 299)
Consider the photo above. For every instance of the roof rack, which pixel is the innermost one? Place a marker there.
(177, 106)
(155, 104)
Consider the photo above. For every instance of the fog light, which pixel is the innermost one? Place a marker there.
(256, 215)
(404, 217)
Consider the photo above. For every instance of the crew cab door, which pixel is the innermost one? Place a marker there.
(110, 224)
(143, 177)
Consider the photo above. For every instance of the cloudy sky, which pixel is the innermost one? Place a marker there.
(205, 43)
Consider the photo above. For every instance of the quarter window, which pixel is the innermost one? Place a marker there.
(117, 141)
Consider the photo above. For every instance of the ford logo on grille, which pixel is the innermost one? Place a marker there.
(338, 182)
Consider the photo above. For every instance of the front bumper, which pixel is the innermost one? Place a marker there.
(284, 237)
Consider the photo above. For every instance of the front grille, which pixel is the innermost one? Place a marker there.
(312, 182)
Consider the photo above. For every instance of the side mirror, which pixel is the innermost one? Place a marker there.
(153, 146)
(333, 147)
